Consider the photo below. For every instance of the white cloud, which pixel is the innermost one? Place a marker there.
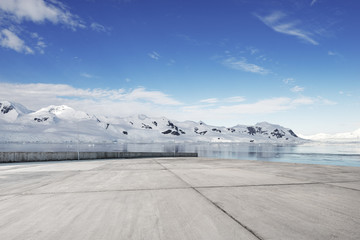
(171, 62)
(14, 12)
(243, 65)
(39, 11)
(288, 80)
(266, 106)
(154, 55)
(156, 97)
(235, 99)
(325, 101)
(313, 2)
(209, 100)
(253, 50)
(40, 44)
(303, 101)
(98, 27)
(297, 89)
(87, 75)
(8, 39)
(108, 102)
(276, 22)
(332, 53)
(122, 103)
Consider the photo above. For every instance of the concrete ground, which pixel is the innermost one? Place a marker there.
(178, 198)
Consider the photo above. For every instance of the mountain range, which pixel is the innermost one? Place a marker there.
(58, 124)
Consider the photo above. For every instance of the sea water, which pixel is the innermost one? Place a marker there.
(344, 154)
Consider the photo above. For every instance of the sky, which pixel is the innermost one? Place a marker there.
(225, 62)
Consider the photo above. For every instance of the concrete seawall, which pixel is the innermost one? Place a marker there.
(7, 157)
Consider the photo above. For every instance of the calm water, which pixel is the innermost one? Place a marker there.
(315, 153)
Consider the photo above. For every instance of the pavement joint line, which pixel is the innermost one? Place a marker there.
(349, 188)
(165, 168)
(217, 206)
(261, 185)
(95, 191)
(228, 214)
(169, 188)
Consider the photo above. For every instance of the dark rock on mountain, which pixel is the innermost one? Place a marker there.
(251, 130)
(41, 119)
(167, 131)
(216, 130)
(6, 109)
(278, 133)
(231, 130)
(200, 133)
(146, 126)
(292, 133)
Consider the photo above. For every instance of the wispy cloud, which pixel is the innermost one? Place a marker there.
(297, 89)
(9, 39)
(209, 100)
(189, 39)
(288, 80)
(265, 106)
(313, 2)
(87, 75)
(235, 99)
(243, 65)
(14, 12)
(336, 54)
(110, 102)
(40, 44)
(99, 28)
(125, 102)
(278, 22)
(154, 55)
(253, 50)
(39, 11)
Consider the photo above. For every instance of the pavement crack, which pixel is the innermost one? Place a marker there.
(260, 185)
(349, 188)
(103, 191)
(229, 215)
(214, 204)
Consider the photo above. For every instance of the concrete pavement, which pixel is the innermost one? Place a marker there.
(178, 198)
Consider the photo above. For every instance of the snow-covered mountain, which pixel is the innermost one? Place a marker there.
(9, 112)
(56, 124)
(338, 137)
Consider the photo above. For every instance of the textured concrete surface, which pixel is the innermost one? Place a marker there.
(178, 198)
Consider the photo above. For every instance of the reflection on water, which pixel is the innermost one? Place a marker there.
(316, 153)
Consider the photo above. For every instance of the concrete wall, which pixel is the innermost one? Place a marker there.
(6, 157)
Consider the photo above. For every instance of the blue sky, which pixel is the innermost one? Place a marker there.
(294, 63)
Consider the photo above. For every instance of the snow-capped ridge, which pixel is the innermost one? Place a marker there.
(65, 124)
(64, 112)
(337, 137)
(10, 111)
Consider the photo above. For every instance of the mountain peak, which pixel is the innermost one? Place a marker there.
(10, 111)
